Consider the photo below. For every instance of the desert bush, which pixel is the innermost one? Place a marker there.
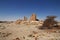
(2, 27)
(30, 35)
(6, 34)
(3, 34)
(49, 22)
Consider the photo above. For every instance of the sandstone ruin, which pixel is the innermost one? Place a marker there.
(48, 23)
(33, 17)
(25, 18)
(18, 21)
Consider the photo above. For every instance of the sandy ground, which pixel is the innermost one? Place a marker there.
(26, 32)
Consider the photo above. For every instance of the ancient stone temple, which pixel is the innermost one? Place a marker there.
(33, 17)
(25, 18)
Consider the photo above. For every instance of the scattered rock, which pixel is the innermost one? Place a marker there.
(5, 34)
(23, 37)
(16, 38)
(18, 21)
(30, 35)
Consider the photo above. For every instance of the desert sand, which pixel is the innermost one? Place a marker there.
(11, 31)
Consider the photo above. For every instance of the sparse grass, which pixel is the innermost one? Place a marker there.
(2, 34)
(2, 27)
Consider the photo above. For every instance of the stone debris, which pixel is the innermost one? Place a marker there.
(16, 38)
(18, 21)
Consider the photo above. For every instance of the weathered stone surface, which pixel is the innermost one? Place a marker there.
(33, 17)
(18, 21)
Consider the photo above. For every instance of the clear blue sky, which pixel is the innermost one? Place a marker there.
(15, 9)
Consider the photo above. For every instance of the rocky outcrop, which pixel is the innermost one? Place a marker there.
(33, 20)
(18, 21)
(25, 18)
(33, 17)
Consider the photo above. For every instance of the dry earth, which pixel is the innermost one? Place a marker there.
(26, 32)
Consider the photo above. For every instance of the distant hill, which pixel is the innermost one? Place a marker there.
(6, 21)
